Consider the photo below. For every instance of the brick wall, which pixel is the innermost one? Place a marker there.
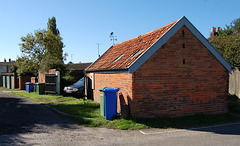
(180, 80)
(120, 80)
(34, 80)
(22, 81)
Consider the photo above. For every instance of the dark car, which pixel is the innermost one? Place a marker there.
(76, 89)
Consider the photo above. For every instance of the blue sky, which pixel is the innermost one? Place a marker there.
(84, 23)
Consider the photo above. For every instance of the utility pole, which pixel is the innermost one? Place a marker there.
(112, 37)
(98, 49)
(72, 57)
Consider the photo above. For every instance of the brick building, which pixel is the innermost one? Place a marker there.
(5, 68)
(171, 71)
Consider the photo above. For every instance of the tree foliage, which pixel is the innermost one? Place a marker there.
(33, 46)
(41, 51)
(53, 26)
(228, 42)
(53, 56)
(25, 67)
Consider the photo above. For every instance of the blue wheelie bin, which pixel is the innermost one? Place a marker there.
(110, 100)
(30, 87)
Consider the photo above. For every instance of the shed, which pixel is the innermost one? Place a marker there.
(78, 69)
(171, 71)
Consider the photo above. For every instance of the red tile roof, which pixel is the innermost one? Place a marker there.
(121, 55)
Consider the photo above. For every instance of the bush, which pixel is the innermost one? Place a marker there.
(234, 104)
(67, 80)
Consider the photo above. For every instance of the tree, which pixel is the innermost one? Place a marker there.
(53, 26)
(43, 50)
(25, 67)
(33, 47)
(53, 57)
(228, 42)
(54, 48)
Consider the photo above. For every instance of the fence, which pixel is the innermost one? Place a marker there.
(234, 82)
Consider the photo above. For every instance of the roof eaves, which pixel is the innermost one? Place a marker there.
(115, 70)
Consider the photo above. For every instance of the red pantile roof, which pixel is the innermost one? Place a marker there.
(122, 55)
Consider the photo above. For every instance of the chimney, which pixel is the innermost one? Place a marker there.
(219, 29)
(5, 60)
(213, 29)
(9, 60)
(214, 32)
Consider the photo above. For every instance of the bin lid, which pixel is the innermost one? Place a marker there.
(28, 83)
(111, 89)
(39, 83)
(102, 88)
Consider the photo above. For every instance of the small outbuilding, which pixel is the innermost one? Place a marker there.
(77, 69)
(170, 71)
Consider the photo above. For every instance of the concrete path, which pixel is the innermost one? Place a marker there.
(25, 122)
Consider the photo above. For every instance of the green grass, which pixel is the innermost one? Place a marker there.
(49, 99)
(87, 113)
(6, 89)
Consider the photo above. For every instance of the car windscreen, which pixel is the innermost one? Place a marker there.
(78, 84)
(81, 81)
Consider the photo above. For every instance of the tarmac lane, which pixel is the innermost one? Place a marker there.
(21, 115)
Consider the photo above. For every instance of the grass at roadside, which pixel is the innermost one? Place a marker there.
(87, 112)
(48, 99)
(6, 89)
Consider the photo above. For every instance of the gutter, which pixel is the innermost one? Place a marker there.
(114, 70)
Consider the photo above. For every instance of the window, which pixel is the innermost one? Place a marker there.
(138, 52)
(184, 61)
(118, 58)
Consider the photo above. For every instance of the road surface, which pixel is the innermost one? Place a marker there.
(25, 122)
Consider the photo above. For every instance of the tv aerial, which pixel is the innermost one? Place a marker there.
(112, 37)
(98, 49)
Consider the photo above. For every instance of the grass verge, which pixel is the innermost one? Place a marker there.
(48, 99)
(87, 113)
(6, 89)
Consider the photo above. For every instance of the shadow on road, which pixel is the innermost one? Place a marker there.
(20, 115)
(232, 126)
(227, 129)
